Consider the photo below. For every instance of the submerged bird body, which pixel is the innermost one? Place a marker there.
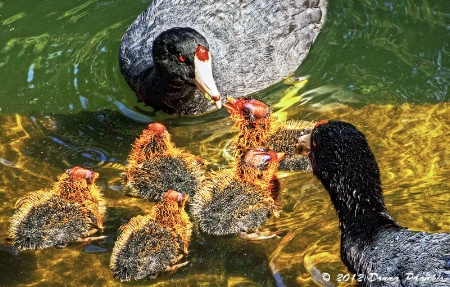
(373, 245)
(257, 126)
(155, 165)
(252, 45)
(239, 200)
(61, 215)
(152, 244)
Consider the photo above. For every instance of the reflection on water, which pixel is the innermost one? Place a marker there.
(409, 141)
(62, 58)
(382, 50)
(382, 65)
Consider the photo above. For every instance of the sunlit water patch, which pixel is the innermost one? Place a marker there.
(409, 142)
(382, 65)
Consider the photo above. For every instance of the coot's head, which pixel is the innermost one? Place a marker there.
(182, 55)
(336, 147)
(250, 110)
(341, 157)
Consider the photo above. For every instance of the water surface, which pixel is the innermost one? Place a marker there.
(382, 65)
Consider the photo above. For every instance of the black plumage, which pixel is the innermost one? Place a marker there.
(169, 84)
(373, 245)
(252, 45)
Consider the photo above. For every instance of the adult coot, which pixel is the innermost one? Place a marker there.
(373, 245)
(175, 51)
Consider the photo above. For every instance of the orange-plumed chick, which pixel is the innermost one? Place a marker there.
(155, 165)
(240, 199)
(152, 244)
(70, 210)
(259, 127)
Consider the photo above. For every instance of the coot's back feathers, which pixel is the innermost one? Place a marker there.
(253, 43)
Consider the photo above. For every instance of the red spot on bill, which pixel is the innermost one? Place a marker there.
(202, 53)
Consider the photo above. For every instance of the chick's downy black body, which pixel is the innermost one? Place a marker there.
(153, 244)
(155, 165)
(373, 245)
(74, 208)
(45, 219)
(239, 199)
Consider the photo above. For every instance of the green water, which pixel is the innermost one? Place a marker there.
(382, 65)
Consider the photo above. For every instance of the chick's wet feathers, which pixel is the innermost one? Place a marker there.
(226, 205)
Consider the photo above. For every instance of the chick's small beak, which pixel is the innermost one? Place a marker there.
(230, 105)
(280, 156)
(303, 145)
(203, 76)
(183, 200)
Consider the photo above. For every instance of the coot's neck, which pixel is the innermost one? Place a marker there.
(358, 201)
(344, 163)
(362, 213)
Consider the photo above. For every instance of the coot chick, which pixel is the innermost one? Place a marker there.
(239, 199)
(373, 245)
(166, 54)
(259, 127)
(78, 185)
(64, 214)
(155, 165)
(152, 244)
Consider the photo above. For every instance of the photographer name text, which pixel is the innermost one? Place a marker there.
(375, 277)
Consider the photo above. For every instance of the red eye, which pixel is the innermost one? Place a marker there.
(182, 58)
